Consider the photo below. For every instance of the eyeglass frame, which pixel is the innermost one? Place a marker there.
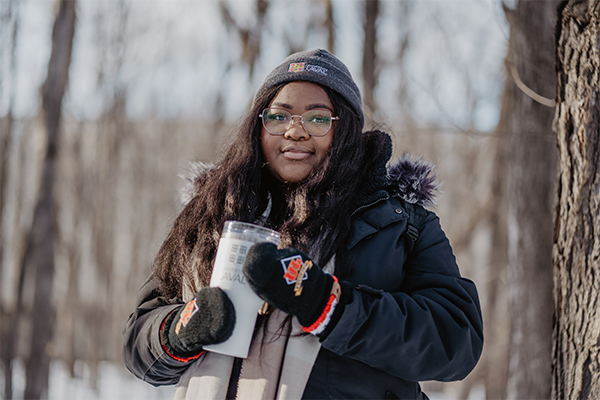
(261, 116)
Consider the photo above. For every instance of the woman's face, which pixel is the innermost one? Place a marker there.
(292, 157)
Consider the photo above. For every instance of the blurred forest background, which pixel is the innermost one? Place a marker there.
(153, 85)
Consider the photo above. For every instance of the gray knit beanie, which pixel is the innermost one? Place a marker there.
(320, 67)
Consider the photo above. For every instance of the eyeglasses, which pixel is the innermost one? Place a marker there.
(277, 121)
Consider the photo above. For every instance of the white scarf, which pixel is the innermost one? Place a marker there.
(277, 367)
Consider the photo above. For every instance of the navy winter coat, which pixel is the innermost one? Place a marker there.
(412, 316)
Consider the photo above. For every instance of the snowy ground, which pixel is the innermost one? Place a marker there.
(116, 383)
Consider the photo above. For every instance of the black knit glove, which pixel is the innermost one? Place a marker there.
(208, 318)
(290, 281)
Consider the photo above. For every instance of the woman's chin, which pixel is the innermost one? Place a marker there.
(293, 177)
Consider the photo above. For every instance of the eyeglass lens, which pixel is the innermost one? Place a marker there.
(315, 122)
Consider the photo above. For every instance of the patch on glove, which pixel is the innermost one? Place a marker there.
(188, 312)
(295, 271)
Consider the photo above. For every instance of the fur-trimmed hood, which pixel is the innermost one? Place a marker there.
(193, 179)
(415, 180)
(411, 178)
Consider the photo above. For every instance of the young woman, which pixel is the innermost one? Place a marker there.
(383, 306)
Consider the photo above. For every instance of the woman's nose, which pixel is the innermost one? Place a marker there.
(295, 131)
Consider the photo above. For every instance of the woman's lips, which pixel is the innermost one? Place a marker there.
(296, 153)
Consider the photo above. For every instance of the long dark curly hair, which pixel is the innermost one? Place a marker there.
(317, 211)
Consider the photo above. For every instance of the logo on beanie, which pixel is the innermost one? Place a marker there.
(299, 67)
(296, 67)
(188, 312)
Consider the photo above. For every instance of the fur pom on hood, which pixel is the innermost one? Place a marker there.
(415, 180)
(411, 178)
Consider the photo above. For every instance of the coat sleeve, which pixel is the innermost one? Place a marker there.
(143, 353)
(429, 328)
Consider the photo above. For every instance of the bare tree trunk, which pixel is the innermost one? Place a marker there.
(369, 66)
(9, 19)
(404, 39)
(40, 252)
(576, 336)
(330, 26)
(496, 315)
(531, 190)
(250, 37)
(10, 344)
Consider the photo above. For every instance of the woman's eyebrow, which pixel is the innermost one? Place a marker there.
(281, 105)
(318, 105)
(308, 107)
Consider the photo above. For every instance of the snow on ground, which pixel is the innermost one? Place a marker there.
(116, 383)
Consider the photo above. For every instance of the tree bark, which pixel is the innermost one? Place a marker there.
(532, 169)
(576, 333)
(40, 248)
(8, 315)
(329, 26)
(369, 71)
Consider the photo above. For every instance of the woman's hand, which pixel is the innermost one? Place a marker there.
(290, 281)
(208, 318)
